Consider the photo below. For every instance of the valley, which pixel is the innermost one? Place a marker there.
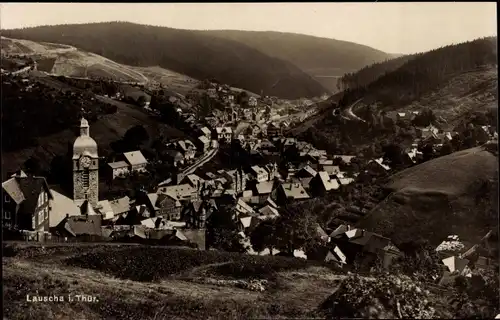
(242, 174)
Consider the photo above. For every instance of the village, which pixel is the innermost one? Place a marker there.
(271, 170)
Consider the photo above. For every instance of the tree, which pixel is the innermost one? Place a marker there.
(32, 166)
(223, 231)
(262, 236)
(295, 229)
(393, 153)
(135, 136)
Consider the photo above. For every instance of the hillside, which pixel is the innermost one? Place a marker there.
(324, 59)
(47, 131)
(370, 73)
(142, 282)
(451, 81)
(193, 53)
(453, 194)
(72, 62)
(425, 73)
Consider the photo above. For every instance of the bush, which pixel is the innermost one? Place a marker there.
(386, 296)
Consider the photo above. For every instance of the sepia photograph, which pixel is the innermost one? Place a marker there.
(288, 160)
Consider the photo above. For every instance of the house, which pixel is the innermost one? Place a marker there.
(187, 148)
(343, 180)
(61, 206)
(292, 191)
(237, 179)
(136, 161)
(272, 170)
(204, 143)
(364, 246)
(194, 181)
(263, 190)
(242, 208)
(169, 206)
(81, 225)
(322, 183)
(181, 192)
(105, 209)
(247, 224)
(274, 130)
(26, 203)
(259, 174)
(118, 169)
(377, 166)
(305, 175)
(224, 134)
(120, 205)
(458, 265)
(206, 132)
(197, 213)
(268, 212)
(327, 165)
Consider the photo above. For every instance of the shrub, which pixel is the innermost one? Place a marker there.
(386, 296)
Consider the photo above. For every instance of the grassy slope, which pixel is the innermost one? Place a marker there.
(178, 295)
(193, 53)
(439, 198)
(107, 129)
(316, 56)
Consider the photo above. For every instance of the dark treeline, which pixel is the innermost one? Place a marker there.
(424, 73)
(370, 73)
(194, 53)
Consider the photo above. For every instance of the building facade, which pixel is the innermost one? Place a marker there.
(85, 167)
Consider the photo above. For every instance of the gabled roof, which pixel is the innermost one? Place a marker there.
(118, 164)
(82, 225)
(61, 206)
(206, 131)
(224, 130)
(264, 187)
(204, 139)
(135, 158)
(244, 206)
(310, 171)
(294, 190)
(121, 205)
(339, 231)
(153, 198)
(258, 170)
(194, 179)
(272, 203)
(13, 189)
(455, 263)
(268, 211)
(31, 187)
(328, 184)
(380, 161)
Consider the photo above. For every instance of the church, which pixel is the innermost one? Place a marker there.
(85, 167)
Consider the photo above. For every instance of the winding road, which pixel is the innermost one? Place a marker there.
(348, 113)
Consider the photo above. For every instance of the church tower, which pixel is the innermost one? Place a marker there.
(85, 167)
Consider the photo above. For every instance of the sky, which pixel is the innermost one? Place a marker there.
(391, 27)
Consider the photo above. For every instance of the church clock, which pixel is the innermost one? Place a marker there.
(85, 162)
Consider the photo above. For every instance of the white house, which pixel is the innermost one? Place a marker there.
(260, 174)
(136, 161)
(224, 134)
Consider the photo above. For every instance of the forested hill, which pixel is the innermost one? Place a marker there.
(370, 73)
(425, 72)
(314, 55)
(194, 53)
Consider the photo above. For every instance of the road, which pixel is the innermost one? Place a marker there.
(204, 159)
(350, 114)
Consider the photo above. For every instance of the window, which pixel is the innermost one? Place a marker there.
(45, 197)
(86, 179)
(6, 215)
(40, 216)
(33, 222)
(46, 213)
(6, 198)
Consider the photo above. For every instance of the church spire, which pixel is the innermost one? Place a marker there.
(84, 125)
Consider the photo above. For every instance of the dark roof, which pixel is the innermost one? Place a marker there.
(31, 187)
(81, 225)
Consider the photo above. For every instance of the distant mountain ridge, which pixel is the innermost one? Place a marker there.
(194, 53)
(314, 55)
(282, 64)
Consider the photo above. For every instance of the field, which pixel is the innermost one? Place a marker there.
(454, 194)
(167, 283)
